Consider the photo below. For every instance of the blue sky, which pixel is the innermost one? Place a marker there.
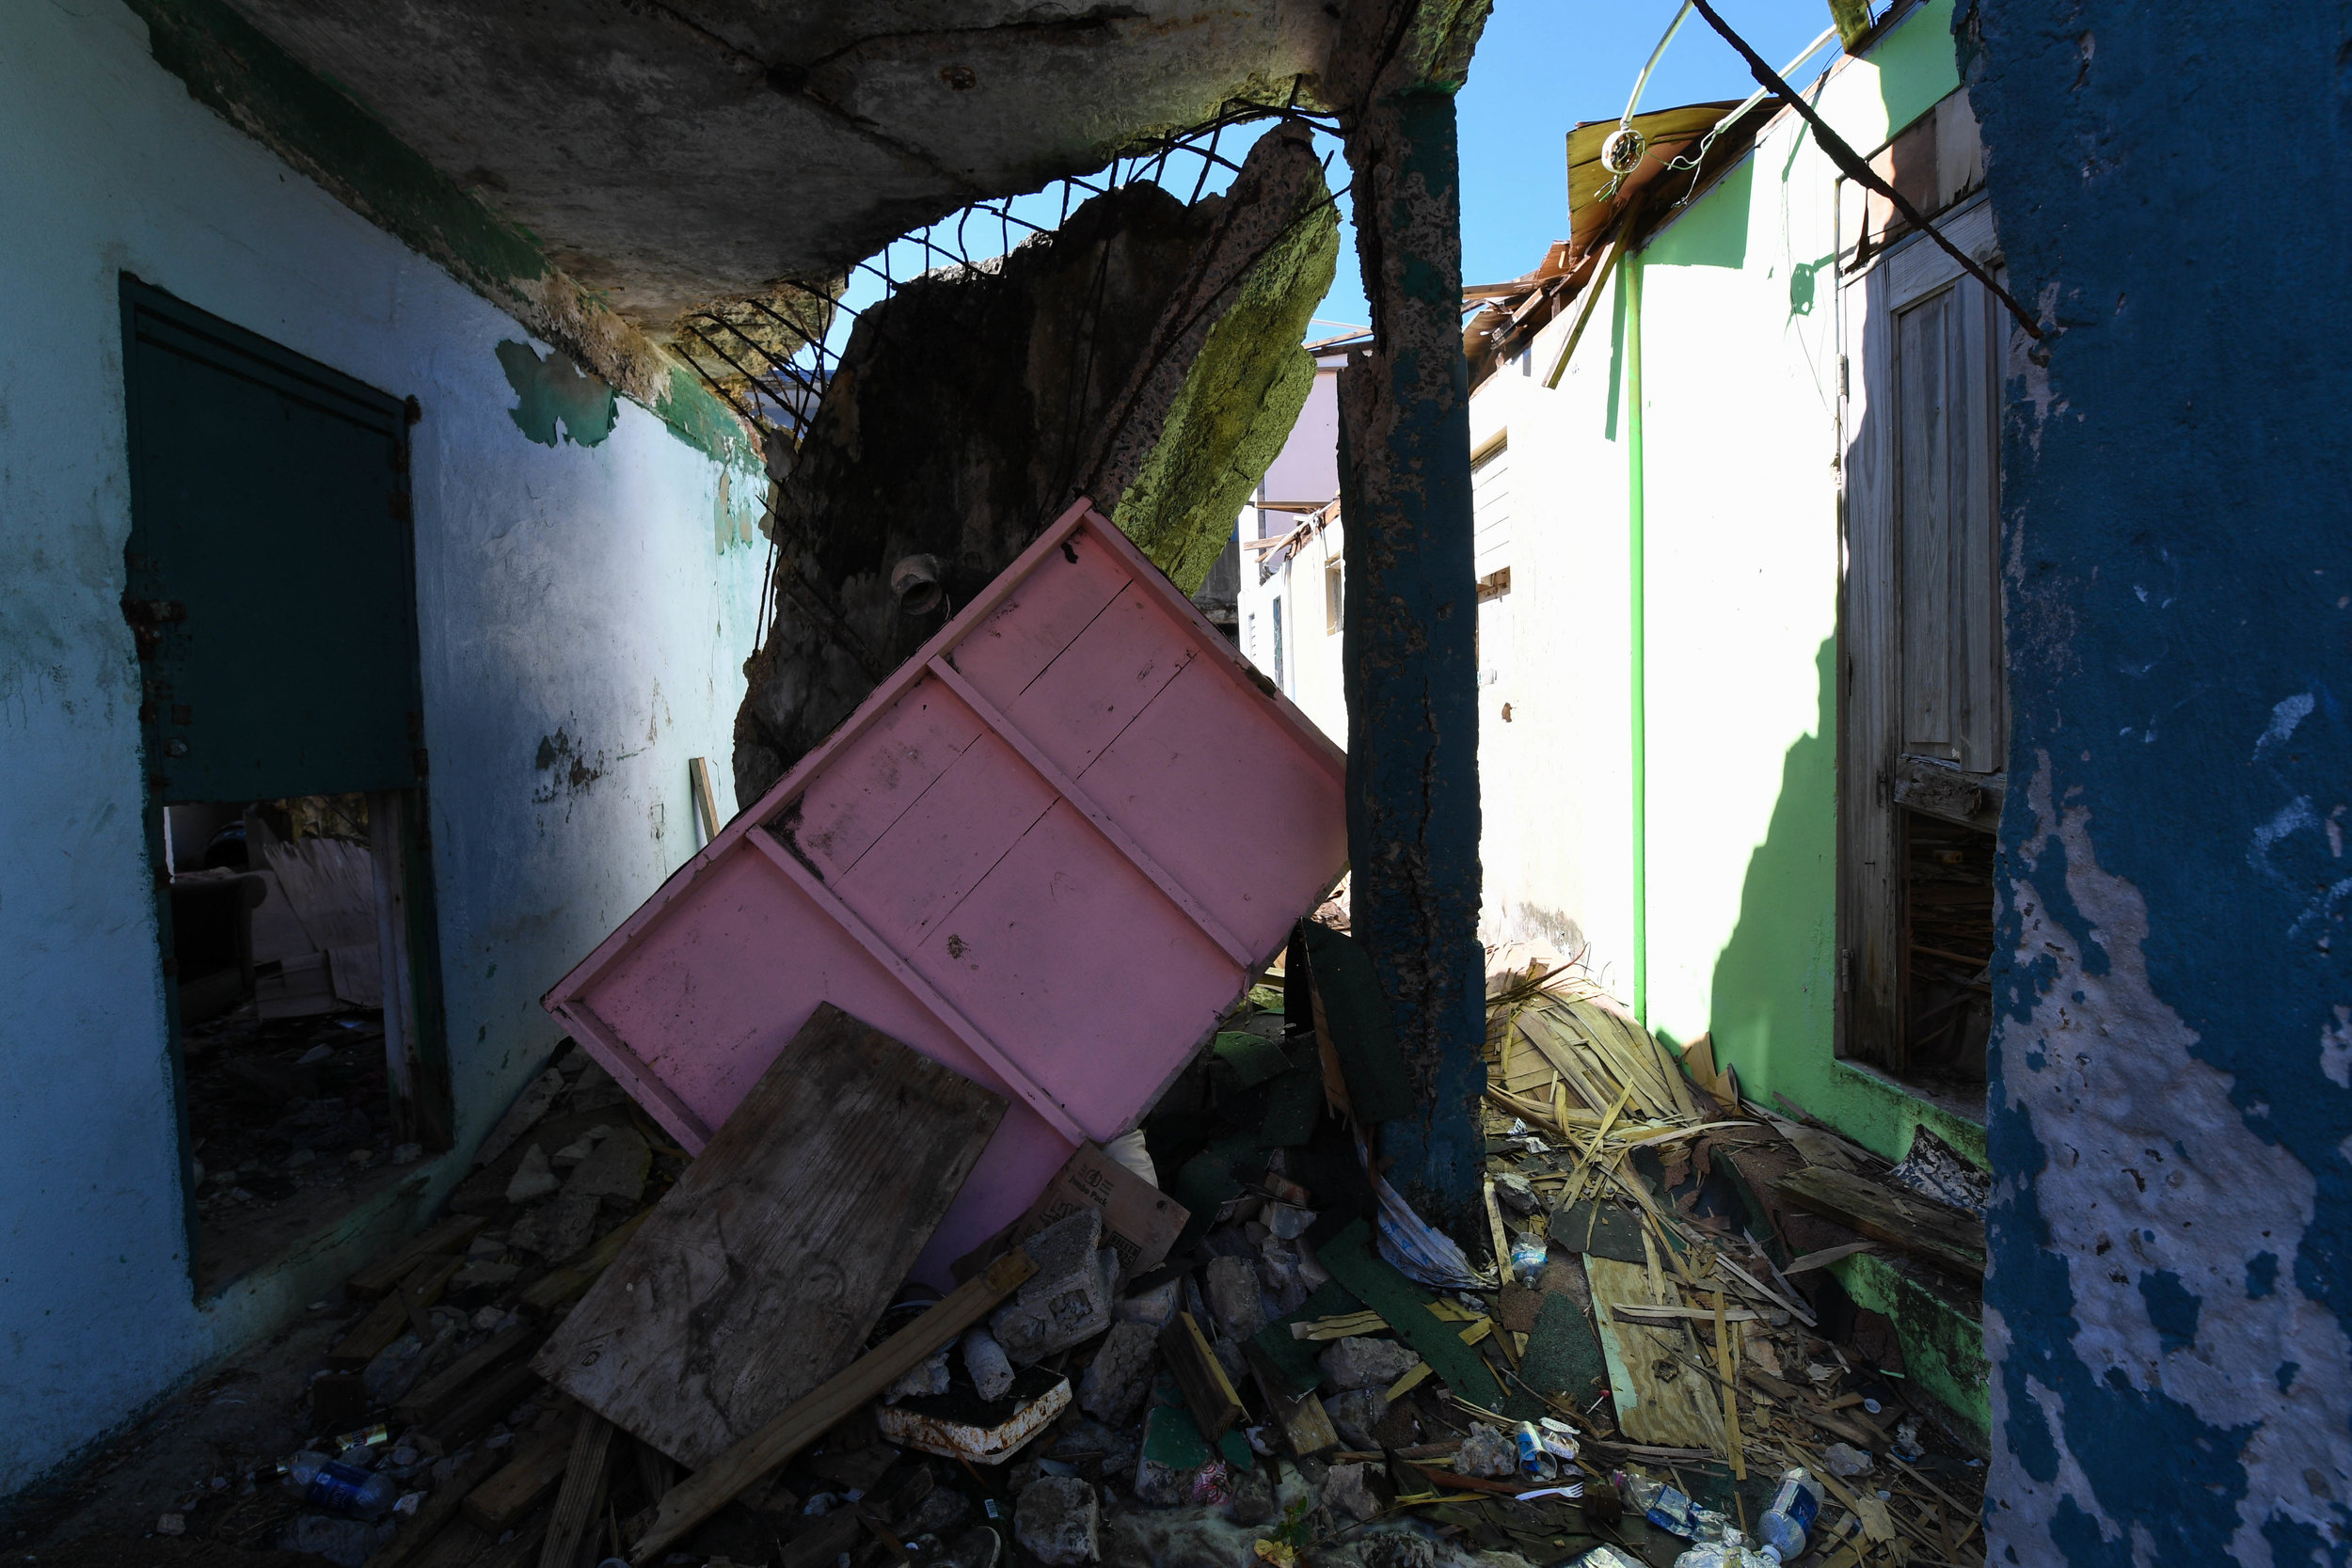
(1543, 65)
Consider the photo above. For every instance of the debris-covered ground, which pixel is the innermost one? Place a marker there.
(1643, 1341)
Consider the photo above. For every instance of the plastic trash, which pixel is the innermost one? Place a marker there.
(1608, 1557)
(1667, 1507)
(1535, 1460)
(1528, 1255)
(1728, 1550)
(324, 1483)
(1787, 1523)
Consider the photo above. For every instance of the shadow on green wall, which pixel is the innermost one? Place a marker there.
(1774, 1002)
(1713, 233)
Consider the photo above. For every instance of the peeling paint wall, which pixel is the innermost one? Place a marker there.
(2171, 1094)
(583, 605)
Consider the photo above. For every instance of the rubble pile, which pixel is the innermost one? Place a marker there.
(1653, 1361)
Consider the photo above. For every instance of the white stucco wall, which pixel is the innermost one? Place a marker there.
(575, 589)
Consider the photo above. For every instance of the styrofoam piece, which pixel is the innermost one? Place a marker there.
(1050, 851)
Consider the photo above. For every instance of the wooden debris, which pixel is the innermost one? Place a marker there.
(559, 1285)
(716, 1484)
(448, 1235)
(389, 1319)
(762, 1271)
(538, 1464)
(418, 1406)
(439, 1508)
(1305, 1425)
(580, 1504)
(1208, 1392)
(490, 1399)
(1916, 1224)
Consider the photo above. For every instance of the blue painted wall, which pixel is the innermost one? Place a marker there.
(2172, 1084)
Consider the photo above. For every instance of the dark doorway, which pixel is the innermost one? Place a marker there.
(271, 588)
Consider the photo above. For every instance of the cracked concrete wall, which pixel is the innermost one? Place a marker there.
(1146, 353)
(2171, 1089)
(580, 608)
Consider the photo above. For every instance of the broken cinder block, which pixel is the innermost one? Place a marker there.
(1067, 1301)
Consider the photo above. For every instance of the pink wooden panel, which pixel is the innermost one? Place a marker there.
(1095, 688)
(936, 883)
(1234, 807)
(1052, 605)
(878, 775)
(944, 843)
(1081, 971)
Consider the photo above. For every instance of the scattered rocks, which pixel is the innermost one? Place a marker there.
(1060, 1520)
(1347, 1489)
(1488, 1452)
(1114, 1385)
(1515, 1195)
(172, 1524)
(1232, 1287)
(1398, 1548)
(985, 1360)
(1844, 1459)
(1355, 1412)
(614, 1169)
(1253, 1502)
(558, 1229)
(977, 1547)
(1363, 1362)
(927, 1376)
(1155, 1307)
(533, 1179)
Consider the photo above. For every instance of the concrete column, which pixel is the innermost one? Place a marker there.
(1409, 647)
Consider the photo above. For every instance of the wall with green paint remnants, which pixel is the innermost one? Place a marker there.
(1715, 910)
(587, 583)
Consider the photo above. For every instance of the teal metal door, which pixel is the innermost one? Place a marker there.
(272, 576)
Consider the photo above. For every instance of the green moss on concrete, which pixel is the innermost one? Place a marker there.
(235, 70)
(1942, 1346)
(1237, 407)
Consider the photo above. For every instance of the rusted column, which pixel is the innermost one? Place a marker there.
(1409, 652)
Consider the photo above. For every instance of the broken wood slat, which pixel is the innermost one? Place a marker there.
(538, 1464)
(698, 774)
(1827, 1256)
(1208, 1392)
(711, 1488)
(1660, 1401)
(522, 1550)
(821, 1543)
(392, 1267)
(457, 1425)
(762, 1271)
(387, 1320)
(581, 1499)
(439, 1508)
(1918, 1225)
(1305, 1425)
(419, 1405)
(1640, 1312)
(557, 1286)
(459, 1542)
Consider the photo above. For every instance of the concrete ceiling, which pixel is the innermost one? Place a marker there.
(670, 153)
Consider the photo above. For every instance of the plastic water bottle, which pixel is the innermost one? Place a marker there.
(1535, 1460)
(1788, 1523)
(1528, 1255)
(338, 1488)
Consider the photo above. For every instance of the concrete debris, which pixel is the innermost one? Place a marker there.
(986, 1364)
(1120, 1376)
(1488, 1452)
(1348, 1490)
(1230, 1284)
(1059, 1520)
(1398, 1548)
(1152, 1307)
(1357, 1413)
(927, 1376)
(1362, 1362)
(534, 1178)
(1067, 1301)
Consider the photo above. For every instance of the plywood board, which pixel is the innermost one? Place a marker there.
(760, 1273)
(1662, 1398)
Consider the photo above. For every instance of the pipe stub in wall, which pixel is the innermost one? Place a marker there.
(915, 582)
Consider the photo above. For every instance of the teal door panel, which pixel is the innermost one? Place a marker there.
(272, 584)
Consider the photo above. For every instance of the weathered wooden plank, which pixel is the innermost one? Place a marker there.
(391, 1267)
(452, 1383)
(580, 1501)
(1207, 1391)
(537, 1464)
(1664, 1399)
(439, 1509)
(760, 1273)
(569, 1279)
(709, 1489)
(387, 1320)
(1918, 1225)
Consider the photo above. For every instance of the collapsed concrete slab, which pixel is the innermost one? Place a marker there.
(1145, 353)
